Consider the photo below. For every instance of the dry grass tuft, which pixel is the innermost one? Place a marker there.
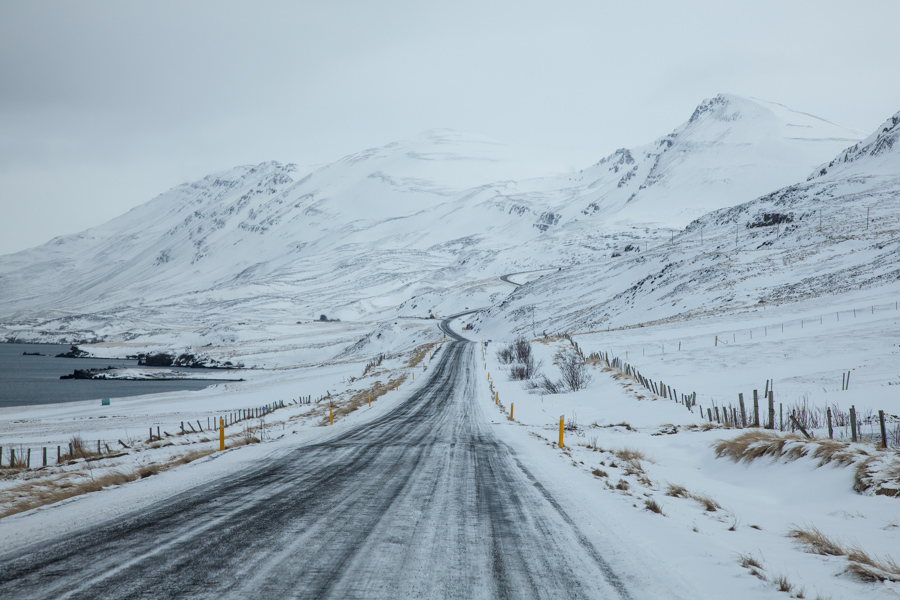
(756, 444)
(708, 503)
(876, 473)
(879, 474)
(599, 473)
(748, 561)
(676, 491)
(782, 583)
(633, 467)
(871, 568)
(833, 451)
(862, 565)
(622, 485)
(630, 454)
(651, 505)
(816, 542)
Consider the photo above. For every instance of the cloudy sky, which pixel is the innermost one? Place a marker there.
(103, 105)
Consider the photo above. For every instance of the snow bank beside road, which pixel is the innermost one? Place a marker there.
(627, 448)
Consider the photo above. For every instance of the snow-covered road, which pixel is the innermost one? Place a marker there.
(423, 501)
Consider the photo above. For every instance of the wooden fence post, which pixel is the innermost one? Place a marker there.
(830, 430)
(755, 408)
(771, 409)
(799, 426)
(44, 448)
(883, 430)
(743, 414)
(852, 423)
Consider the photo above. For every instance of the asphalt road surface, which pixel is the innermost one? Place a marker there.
(444, 325)
(422, 502)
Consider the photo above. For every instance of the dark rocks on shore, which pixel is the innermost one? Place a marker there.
(32, 354)
(74, 352)
(87, 374)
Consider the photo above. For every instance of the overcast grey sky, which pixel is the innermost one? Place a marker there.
(104, 105)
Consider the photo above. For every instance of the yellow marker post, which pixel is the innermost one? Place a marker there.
(414, 375)
(511, 410)
(221, 434)
(331, 417)
(562, 420)
(370, 401)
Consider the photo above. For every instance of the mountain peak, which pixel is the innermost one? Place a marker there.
(723, 107)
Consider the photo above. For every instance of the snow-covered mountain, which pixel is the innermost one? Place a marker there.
(836, 232)
(731, 150)
(395, 229)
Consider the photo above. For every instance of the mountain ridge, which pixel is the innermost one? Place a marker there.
(379, 230)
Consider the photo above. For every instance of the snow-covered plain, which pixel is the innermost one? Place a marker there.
(686, 258)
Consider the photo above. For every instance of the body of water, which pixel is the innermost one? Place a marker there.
(29, 380)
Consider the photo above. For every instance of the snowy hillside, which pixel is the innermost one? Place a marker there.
(405, 229)
(799, 242)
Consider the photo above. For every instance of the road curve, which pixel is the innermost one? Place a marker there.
(506, 278)
(421, 502)
(444, 325)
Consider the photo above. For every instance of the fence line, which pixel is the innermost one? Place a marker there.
(19, 456)
(883, 429)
